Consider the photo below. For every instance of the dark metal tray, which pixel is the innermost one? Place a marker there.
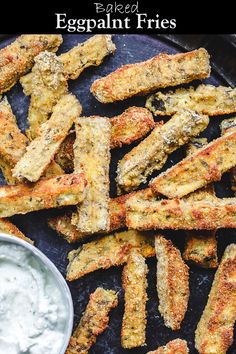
(130, 49)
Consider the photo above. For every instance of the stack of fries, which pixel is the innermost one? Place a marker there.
(63, 159)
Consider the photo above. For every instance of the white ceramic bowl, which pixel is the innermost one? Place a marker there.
(60, 281)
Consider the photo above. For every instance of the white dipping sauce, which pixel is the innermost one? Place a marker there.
(33, 313)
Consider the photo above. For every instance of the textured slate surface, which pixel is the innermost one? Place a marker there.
(130, 48)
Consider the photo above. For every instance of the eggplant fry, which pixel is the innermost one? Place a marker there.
(201, 246)
(204, 166)
(160, 71)
(108, 251)
(89, 53)
(226, 125)
(13, 144)
(117, 212)
(206, 99)
(151, 154)
(176, 346)
(134, 283)
(93, 322)
(214, 333)
(47, 193)
(18, 57)
(172, 283)
(182, 214)
(131, 125)
(42, 150)
(8, 228)
(49, 84)
(92, 155)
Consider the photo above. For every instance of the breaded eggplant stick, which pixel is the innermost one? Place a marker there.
(131, 125)
(8, 228)
(93, 322)
(214, 333)
(49, 84)
(201, 246)
(18, 57)
(204, 166)
(92, 155)
(177, 214)
(206, 99)
(134, 283)
(117, 212)
(172, 283)
(13, 144)
(176, 346)
(48, 193)
(151, 154)
(160, 71)
(227, 124)
(108, 251)
(89, 53)
(42, 150)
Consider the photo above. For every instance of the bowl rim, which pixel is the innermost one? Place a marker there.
(58, 277)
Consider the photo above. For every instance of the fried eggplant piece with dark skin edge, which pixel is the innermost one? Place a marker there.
(176, 346)
(117, 212)
(8, 228)
(214, 333)
(18, 57)
(108, 251)
(204, 166)
(172, 283)
(47, 193)
(134, 283)
(226, 125)
(42, 150)
(49, 84)
(206, 99)
(94, 321)
(89, 53)
(151, 154)
(13, 144)
(182, 214)
(131, 125)
(201, 246)
(92, 155)
(160, 71)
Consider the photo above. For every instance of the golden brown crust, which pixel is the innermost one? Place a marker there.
(202, 167)
(8, 228)
(117, 212)
(18, 57)
(172, 283)
(214, 333)
(12, 142)
(162, 70)
(45, 194)
(201, 246)
(206, 99)
(176, 346)
(89, 53)
(92, 155)
(93, 322)
(108, 251)
(49, 84)
(151, 154)
(41, 150)
(131, 125)
(134, 283)
(181, 214)
(13, 145)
